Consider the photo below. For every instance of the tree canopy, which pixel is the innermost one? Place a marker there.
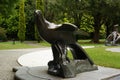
(89, 15)
(6, 6)
(22, 24)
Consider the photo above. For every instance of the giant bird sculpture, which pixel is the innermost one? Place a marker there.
(60, 37)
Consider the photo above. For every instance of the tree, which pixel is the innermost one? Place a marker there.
(9, 17)
(39, 6)
(30, 21)
(86, 24)
(104, 12)
(12, 26)
(3, 36)
(22, 26)
(71, 10)
(112, 16)
(96, 10)
(100, 10)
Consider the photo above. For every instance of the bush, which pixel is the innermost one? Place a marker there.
(3, 36)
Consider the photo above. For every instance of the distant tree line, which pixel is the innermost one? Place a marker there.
(96, 17)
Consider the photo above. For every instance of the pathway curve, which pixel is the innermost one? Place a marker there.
(113, 49)
(39, 58)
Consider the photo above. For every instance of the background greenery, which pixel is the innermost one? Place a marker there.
(95, 17)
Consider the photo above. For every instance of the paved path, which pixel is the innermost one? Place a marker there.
(113, 49)
(8, 60)
(39, 58)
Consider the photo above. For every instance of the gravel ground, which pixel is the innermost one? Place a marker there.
(8, 60)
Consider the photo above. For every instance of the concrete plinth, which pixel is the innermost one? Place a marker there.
(40, 73)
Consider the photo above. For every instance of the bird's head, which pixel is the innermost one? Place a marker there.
(38, 13)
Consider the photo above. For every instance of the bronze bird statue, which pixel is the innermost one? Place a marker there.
(60, 37)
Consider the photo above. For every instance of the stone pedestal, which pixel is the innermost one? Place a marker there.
(41, 72)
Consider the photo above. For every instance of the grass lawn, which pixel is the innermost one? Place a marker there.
(104, 58)
(19, 45)
(98, 54)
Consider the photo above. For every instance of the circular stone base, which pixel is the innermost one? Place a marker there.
(37, 73)
(33, 73)
(40, 73)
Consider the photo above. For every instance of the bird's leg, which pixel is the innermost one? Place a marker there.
(63, 51)
(54, 66)
(56, 53)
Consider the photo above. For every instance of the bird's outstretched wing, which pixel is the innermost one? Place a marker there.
(66, 27)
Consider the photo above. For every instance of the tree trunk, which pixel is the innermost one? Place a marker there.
(97, 26)
(96, 34)
(107, 31)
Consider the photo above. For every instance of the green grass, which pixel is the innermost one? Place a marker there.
(18, 45)
(88, 43)
(104, 58)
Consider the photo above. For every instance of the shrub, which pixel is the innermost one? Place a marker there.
(3, 36)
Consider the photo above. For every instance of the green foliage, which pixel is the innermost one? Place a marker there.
(6, 6)
(101, 11)
(69, 10)
(10, 22)
(102, 32)
(1, 19)
(22, 26)
(30, 21)
(12, 26)
(88, 15)
(40, 5)
(3, 36)
(87, 22)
